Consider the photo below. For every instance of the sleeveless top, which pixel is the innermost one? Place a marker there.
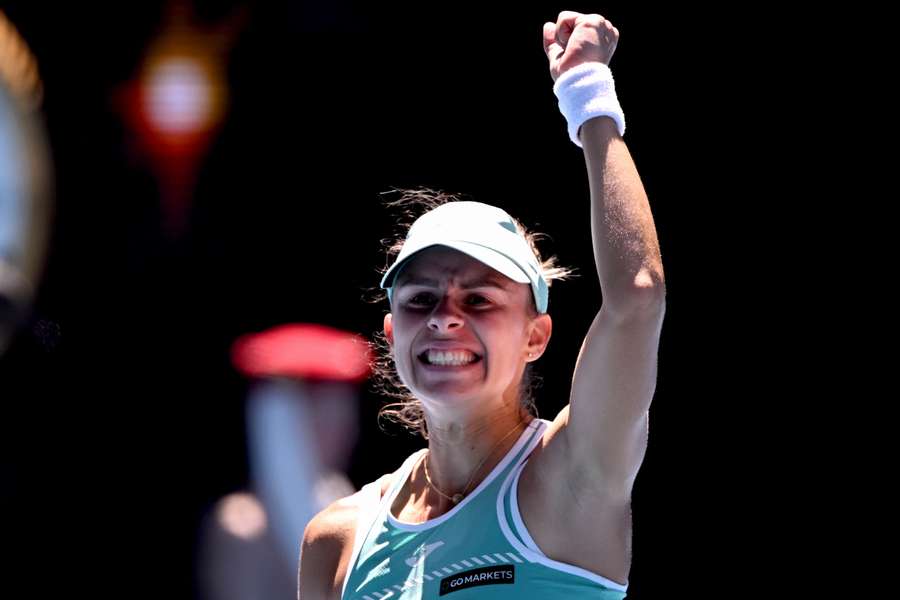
(479, 549)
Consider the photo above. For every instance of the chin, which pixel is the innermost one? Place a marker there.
(450, 395)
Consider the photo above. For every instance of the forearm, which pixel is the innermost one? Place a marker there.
(626, 248)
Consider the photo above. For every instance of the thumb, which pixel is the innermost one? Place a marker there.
(551, 46)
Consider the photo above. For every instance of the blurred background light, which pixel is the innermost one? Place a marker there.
(178, 94)
(177, 101)
(242, 515)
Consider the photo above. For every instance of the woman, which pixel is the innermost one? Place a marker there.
(501, 504)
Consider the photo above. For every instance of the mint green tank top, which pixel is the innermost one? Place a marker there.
(479, 549)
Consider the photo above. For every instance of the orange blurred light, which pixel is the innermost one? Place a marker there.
(178, 101)
(242, 515)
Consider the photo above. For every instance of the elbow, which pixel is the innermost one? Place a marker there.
(649, 290)
(646, 295)
(649, 280)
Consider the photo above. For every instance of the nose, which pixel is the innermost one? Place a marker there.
(444, 318)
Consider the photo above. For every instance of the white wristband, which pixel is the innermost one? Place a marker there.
(588, 91)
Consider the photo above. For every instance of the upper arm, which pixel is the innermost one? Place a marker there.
(606, 425)
(327, 545)
(324, 542)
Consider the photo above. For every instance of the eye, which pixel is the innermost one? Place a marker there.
(477, 299)
(421, 299)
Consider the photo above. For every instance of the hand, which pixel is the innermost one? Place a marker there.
(576, 38)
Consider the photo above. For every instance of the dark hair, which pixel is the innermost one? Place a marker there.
(407, 409)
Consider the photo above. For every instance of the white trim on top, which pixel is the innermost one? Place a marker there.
(530, 549)
(369, 504)
(510, 454)
(517, 518)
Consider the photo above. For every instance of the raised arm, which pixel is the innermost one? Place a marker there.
(606, 421)
(626, 249)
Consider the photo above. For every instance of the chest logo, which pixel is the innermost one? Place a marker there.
(421, 552)
(483, 576)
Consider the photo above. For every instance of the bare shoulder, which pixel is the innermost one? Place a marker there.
(327, 546)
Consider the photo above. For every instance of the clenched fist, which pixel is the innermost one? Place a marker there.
(576, 38)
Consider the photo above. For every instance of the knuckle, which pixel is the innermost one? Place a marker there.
(592, 20)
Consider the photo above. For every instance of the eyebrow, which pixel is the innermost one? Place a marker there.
(489, 281)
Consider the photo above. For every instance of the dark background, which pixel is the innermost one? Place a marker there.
(123, 418)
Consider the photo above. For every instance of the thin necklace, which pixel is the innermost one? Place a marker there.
(457, 498)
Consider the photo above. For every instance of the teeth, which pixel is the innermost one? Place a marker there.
(454, 359)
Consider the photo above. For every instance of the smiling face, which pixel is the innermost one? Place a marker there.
(461, 332)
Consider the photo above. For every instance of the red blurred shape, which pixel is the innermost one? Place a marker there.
(177, 102)
(303, 350)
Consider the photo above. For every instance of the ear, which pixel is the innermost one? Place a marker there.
(389, 328)
(539, 337)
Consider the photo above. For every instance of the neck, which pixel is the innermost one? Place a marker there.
(462, 453)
